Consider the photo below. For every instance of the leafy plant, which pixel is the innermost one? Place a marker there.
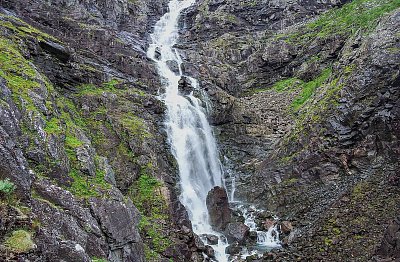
(6, 188)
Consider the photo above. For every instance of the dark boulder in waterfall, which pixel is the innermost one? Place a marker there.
(185, 85)
(237, 231)
(173, 66)
(233, 248)
(218, 208)
(157, 53)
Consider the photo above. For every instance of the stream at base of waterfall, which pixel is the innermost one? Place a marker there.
(192, 141)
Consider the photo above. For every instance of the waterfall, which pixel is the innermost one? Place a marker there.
(189, 132)
(191, 137)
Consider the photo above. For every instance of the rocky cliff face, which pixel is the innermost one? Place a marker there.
(305, 103)
(82, 137)
(306, 111)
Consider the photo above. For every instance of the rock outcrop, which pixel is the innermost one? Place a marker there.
(218, 208)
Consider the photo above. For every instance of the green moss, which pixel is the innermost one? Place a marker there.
(72, 142)
(309, 89)
(150, 254)
(134, 125)
(336, 231)
(6, 187)
(20, 241)
(348, 19)
(95, 259)
(22, 29)
(286, 84)
(147, 197)
(93, 90)
(53, 126)
(85, 186)
(20, 75)
(328, 241)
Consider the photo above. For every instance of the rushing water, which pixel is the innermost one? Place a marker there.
(189, 132)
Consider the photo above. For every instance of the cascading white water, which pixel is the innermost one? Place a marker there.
(191, 137)
(189, 132)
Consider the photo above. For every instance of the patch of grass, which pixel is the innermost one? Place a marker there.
(348, 19)
(53, 126)
(309, 88)
(22, 29)
(7, 190)
(20, 75)
(20, 241)
(134, 125)
(72, 142)
(147, 197)
(85, 186)
(286, 84)
(6, 187)
(95, 259)
(93, 90)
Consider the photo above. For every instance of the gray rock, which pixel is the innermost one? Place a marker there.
(173, 66)
(218, 208)
(212, 239)
(55, 49)
(119, 221)
(185, 85)
(233, 249)
(237, 232)
(209, 252)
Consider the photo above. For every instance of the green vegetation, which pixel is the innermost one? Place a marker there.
(21, 77)
(357, 15)
(309, 89)
(286, 84)
(147, 197)
(53, 126)
(95, 259)
(93, 90)
(6, 187)
(134, 125)
(22, 29)
(72, 142)
(85, 186)
(20, 241)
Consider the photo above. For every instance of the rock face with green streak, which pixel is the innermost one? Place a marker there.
(305, 103)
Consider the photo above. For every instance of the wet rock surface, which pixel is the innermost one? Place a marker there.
(218, 208)
(237, 232)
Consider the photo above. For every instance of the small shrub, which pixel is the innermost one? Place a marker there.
(6, 188)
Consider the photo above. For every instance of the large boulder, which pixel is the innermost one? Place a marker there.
(218, 208)
(237, 231)
(119, 221)
(185, 85)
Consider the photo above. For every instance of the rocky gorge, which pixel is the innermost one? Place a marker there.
(303, 97)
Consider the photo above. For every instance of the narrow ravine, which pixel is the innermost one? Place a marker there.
(189, 132)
